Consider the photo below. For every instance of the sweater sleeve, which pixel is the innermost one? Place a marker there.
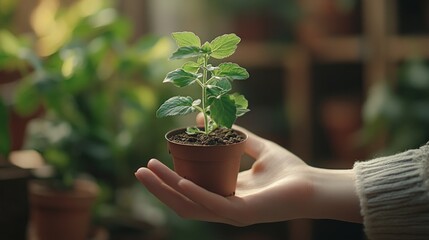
(394, 195)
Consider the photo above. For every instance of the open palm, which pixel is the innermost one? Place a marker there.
(275, 188)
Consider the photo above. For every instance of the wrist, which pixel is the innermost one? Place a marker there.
(334, 195)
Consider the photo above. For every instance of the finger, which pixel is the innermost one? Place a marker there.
(226, 208)
(167, 175)
(162, 191)
(172, 198)
(163, 183)
(200, 120)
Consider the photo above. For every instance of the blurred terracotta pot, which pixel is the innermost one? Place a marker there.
(59, 214)
(214, 168)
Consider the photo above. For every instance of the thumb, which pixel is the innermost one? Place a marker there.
(200, 120)
(255, 145)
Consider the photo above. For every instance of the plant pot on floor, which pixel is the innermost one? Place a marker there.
(213, 167)
(61, 214)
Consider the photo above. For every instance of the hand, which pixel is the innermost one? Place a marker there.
(278, 187)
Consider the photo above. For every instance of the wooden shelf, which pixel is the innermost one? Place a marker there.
(257, 54)
(406, 47)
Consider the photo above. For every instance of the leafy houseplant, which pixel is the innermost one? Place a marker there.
(96, 89)
(94, 86)
(396, 116)
(220, 110)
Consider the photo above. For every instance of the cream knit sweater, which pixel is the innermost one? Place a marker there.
(394, 195)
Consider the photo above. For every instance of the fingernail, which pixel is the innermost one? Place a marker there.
(138, 170)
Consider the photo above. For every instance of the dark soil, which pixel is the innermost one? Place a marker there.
(219, 136)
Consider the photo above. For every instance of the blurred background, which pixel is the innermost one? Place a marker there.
(334, 81)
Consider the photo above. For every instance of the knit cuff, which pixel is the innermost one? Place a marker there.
(394, 195)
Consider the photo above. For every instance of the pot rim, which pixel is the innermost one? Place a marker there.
(82, 189)
(169, 133)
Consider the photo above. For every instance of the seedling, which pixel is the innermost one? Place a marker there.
(219, 107)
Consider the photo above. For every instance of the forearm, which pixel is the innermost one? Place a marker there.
(334, 195)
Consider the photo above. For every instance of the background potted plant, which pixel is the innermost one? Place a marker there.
(13, 180)
(94, 86)
(208, 156)
(396, 115)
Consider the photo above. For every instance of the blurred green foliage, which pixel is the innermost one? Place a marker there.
(9, 61)
(398, 112)
(7, 9)
(97, 87)
(4, 130)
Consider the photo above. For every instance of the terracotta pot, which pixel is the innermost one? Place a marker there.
(214, 168)
(62, 215)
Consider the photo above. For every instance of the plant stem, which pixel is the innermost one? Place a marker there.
(204, 95)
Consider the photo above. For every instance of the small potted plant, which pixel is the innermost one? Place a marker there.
(210, 155)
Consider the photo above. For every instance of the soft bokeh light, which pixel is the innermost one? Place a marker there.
(54, 29)
(104, 17)
(9, 43)
(52, 32)
(71, 59)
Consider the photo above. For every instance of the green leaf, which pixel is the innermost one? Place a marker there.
(223, 111)
(177, 105)
(201, 60)
(9, 43)
(224, 46)
(239, 100)
(196, 102)
(219, 87)
(186, 52)
(5, 140)
(186, 39)
(241, 111)
(190, 66)
(27, 98)
(206, 48)
(193, 130)
(232, 71)
(241, 104)
(181, 78)
(57, 158)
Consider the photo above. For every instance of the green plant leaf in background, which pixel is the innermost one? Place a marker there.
(10, 51)
(398, 114)
(4, 130)
(7, 10)
(62, 162)
(26, 98)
